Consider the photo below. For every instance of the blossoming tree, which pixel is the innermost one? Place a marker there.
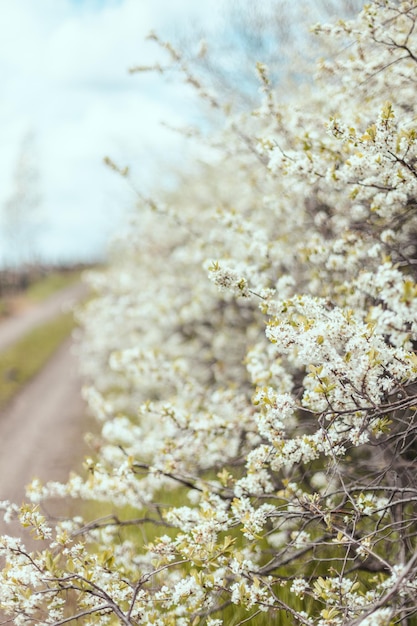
(251, 353)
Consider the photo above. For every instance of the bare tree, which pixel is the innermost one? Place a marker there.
(274, 32)
(21, 219)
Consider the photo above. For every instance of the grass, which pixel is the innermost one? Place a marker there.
(49, 284)
(20, 362)
(38, 291)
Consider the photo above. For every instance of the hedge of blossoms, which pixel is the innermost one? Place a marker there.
(253, 368)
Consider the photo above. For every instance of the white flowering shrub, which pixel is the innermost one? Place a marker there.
(251, 354)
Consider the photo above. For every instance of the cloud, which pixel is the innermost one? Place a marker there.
(64, 76)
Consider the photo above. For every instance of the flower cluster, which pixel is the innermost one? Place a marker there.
(256, 413)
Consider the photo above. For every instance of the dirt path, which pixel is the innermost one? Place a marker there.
(41, 429)
(41, 432)
(13, 328)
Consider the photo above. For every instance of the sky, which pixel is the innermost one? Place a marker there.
(68, 101)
